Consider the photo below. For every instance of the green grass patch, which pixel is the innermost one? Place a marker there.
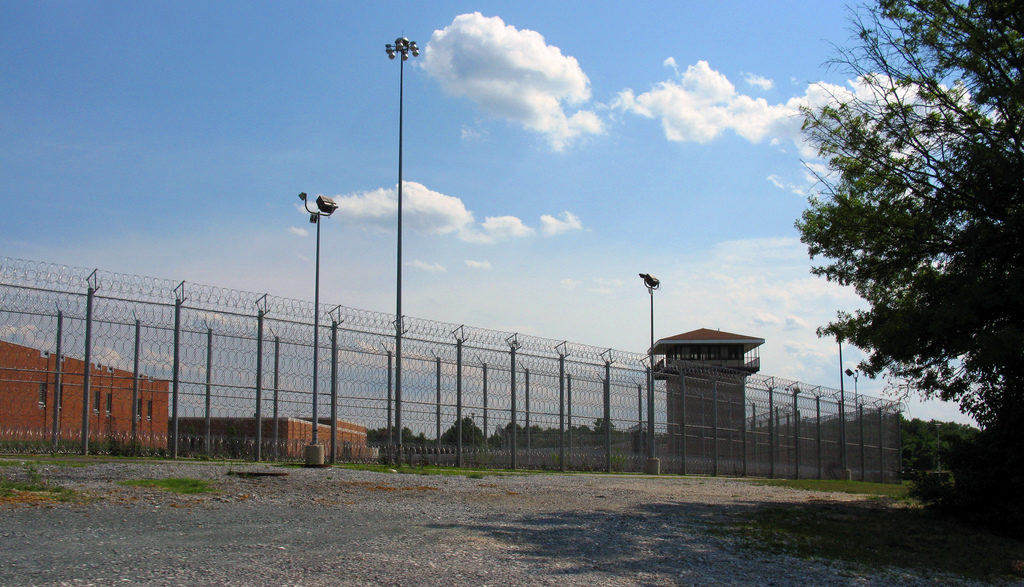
(34, 490)
(174, 485)
(876, 536)
(431, 470)
(893, 490)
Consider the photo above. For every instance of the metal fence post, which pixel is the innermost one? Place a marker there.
(277, 390)
(881, 454)
(714, 427)
(437, 407)
(817, 419)
(335, 319)
(209, 388)
(743, 428)
(560, 348)
(135, 385)
(179, 298)
(568, 411)
(484, 367)
(526, 386)
(860, 424)
(771, 432)
(513, 344)
(796, 433)
(753, 426)
(608, 410)
(93, 282)
(682, 423)
(260, 313)
(58, 390)
(459, 339)
(390, 431)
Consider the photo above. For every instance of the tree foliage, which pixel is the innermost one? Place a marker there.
(927, 445)
(921, 210)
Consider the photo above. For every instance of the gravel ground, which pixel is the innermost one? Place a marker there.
(342, 527)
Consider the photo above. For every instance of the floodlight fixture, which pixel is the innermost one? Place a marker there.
(650, 281)
(326, 205)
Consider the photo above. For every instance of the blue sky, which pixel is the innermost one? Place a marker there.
(553, 150)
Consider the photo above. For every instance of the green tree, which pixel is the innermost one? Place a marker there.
(922, 212)
(471, 434)
(927, 445)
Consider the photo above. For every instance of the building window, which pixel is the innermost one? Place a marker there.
(42, 394)
(138, 410)
(110, 402)
(149, 411)
(96, 404)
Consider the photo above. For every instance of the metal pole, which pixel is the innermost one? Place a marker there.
(458, 402)
(277, 389)
(437, 412)
(526, 384)
(179, 299)
(796, 435)
(513, 347)
(390, 430)
(135, 384)
(753, 428)
(860, 425)
(561, 411)
(568, 408)
(398, 293)
(817, 419)
(58, 390)
(714, 426)
(334, 390)
(485, 402)
(87, 367)
(652, 467)
(743, 430)
(316, 337)
(608, 415)
(209, 389)
(771, 432)
(843, 463)
(259, 383)
(881, 454)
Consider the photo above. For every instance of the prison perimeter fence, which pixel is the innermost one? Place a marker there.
(99, 362)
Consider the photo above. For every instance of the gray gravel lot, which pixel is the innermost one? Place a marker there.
(342, 527)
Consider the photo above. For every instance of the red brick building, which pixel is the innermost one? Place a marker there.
(28, 391)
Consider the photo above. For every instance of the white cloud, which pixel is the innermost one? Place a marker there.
(436, 213)
(758, 81)
(512, 74)
(298, 231)
(499, 227)
(551, 226)
(570, 283)
(701, 103)
(431, 267)
(422, 208)
(484, 265)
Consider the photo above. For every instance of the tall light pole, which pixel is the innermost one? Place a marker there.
(855, 374)
(324, 207)
(843, 462)
(402, 47)
(653, 466)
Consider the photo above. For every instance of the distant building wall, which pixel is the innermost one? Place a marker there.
(293, 434)
(28, 397)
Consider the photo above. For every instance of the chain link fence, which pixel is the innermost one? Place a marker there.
(183, 369)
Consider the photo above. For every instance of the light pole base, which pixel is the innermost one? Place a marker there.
(314, 455)
(846, 475)
(652, 467)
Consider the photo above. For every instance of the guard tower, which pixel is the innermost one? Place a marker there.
(705, 374)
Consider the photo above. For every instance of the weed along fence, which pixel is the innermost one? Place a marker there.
(92, 361)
